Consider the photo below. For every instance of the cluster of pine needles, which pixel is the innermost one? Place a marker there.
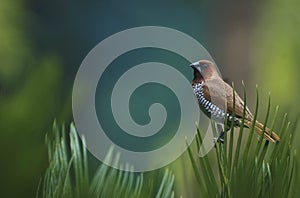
(245, 167)
(249, 167)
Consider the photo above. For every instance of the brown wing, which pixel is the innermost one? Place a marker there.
(220, 93)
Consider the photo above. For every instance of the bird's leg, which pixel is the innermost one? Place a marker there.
(221, 136)
(222, 133)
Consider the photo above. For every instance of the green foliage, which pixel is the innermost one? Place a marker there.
(254, 168)
(245, 167)
(68, 174)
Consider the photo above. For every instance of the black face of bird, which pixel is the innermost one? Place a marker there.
(197, 75)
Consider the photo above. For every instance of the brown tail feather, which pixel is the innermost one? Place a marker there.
(259, 129)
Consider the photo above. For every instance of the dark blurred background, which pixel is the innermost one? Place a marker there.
(44, 42)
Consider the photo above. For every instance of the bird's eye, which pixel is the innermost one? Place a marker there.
(205, 65)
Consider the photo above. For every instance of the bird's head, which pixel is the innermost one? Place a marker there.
(204, 70)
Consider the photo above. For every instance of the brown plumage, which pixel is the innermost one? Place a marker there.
(220, 95)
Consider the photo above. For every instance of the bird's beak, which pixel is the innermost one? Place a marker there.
(195, 66)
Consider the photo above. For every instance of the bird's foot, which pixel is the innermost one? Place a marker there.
(221, 136)
(219, 139)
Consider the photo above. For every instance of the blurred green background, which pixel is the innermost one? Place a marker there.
(43, 44)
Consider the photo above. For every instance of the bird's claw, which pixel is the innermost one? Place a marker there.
(218, 139)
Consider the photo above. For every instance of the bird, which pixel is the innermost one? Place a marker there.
(216, 99)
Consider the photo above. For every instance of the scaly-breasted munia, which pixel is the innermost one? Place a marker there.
(215, 98)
